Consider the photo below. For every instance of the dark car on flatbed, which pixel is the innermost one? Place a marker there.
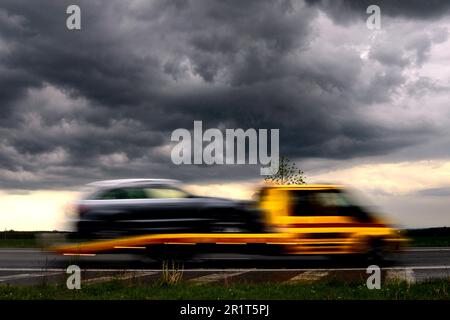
(147, 206)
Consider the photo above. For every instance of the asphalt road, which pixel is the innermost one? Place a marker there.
(32, 266)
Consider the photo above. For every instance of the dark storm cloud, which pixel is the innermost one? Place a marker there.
(102, 102)
(343, 10)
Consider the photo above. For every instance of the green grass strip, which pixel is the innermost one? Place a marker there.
(435, 290)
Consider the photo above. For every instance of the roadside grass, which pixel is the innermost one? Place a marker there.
(171, 275)
(430, 237)
(18, 243)
(438, 241)
(329, 290)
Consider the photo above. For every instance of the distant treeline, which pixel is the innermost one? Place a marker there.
(430, 237)
(11, 234)
(429, 232)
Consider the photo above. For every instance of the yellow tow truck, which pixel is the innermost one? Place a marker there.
(299, 220)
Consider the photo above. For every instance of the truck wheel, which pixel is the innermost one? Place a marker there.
(165, 255)
(377, 251)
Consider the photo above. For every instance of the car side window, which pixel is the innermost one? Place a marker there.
(136, 193)
(165, 193)
(123, 193)
(112, 194)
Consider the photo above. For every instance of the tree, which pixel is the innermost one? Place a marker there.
(288, 173)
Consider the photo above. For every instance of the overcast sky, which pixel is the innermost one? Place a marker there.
(366, 107)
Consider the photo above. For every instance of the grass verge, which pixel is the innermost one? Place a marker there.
(430, 242)
(18, 243)
(432, 290)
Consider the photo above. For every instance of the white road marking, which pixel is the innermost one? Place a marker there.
(445, 267)
(407, 274)
(126, 276)
(401, 275)
(214, 277)
(309, 276)
(26, 276)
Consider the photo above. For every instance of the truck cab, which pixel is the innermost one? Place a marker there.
(326, 219)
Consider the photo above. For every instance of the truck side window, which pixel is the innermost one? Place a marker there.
(318, 203)
(301, 203)
(328, 203)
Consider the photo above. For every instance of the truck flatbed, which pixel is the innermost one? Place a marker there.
(143, 242)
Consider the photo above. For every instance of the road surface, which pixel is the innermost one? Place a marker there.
(34, 266)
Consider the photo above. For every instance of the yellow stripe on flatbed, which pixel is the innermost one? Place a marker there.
(174, 239)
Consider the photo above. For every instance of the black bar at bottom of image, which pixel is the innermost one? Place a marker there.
(220, 309)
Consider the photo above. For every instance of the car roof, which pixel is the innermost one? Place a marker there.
(305, 186)
(130, 182)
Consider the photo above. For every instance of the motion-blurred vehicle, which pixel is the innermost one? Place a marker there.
(157, 216)
(146, 206)
(327, 219)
